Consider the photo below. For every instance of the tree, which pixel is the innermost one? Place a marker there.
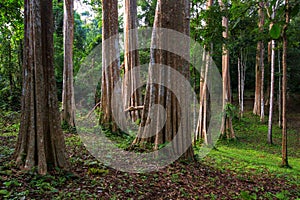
(272, 62)
(242, 60)
(147, 14)
(262, 63)
(11, 45)
(203, 119)
(226, 126)
(131, 94)
(68, 101)
(284, 85)
(259, 68)
(110, 61)
(40, 140)
(279, 91)
(173, 16)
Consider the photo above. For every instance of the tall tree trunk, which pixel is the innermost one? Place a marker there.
(259, 69)
(242, 62)
(262, 62)
(241, 79)
(279, 91)
(284, 86)
(68, 101)
(240, 84)
(268, 75)
(110, 61)
(257, 99)
(226, 127)
(175, 16)
(262, 67)
(272, 62)
(40, 140)
(202, 125)
(131, 93)
(270, 140)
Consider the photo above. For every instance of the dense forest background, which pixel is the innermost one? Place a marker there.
(254, 44)
(87, 34)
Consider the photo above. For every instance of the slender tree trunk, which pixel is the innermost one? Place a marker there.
(110, 65)
(279, 91)
(284, 87)
(206, 96)
(270, 140)
(202, 125)
(243, 77)
(199, 130)
(40, 140)
(262, 63)
(226, 127)
(239, 84)
(262, 66)
(68, 101)
(131, 93)
(259, 69)
(268, 75)
(272, 62)
(257, 98)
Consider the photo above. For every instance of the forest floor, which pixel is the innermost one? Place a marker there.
(246, 168)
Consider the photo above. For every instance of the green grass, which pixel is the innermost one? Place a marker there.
(248, 157)
(251, 154)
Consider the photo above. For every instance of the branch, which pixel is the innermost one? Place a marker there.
(88, 115)
(132, 108)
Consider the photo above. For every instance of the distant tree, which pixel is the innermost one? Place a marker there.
(202, 125)
(259, 68)
(226, 126)
(40, 140)
(68, 101)
(242, 61)
(11, 46)
(271, 49)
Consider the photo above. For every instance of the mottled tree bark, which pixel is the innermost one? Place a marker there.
(256, 108)
(270, 140)
(40, 140)
(68, 101)
(279, 91)
(242, 61)
(259, 69)
(131, 94)
(175, 16)
(203, 119)
(284, 86)
(226, 126)
(272, 64)
(110, 61)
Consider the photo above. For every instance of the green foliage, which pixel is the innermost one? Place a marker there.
(68, 128)
(147, 12)
(11, 35)
(246, 196)
(275, 31)
(284, 195)
(231, 110)
(97, 171)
